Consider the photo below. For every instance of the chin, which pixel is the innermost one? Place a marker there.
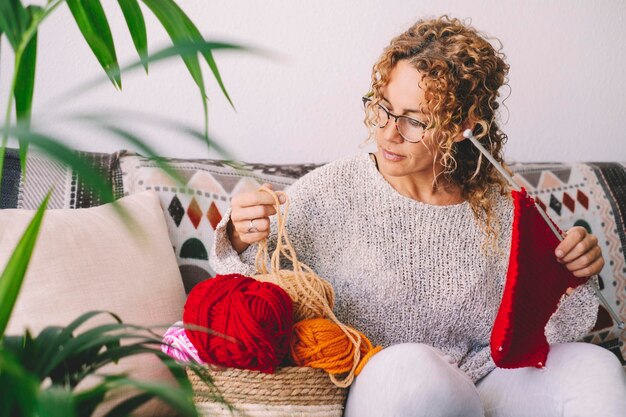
(403, 168)
(394, 169)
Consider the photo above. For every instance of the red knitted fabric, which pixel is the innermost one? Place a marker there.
(535, 282)
(253, 321)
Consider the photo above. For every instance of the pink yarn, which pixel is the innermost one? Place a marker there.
(176, 345)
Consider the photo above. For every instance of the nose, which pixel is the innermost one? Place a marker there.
(390, 132)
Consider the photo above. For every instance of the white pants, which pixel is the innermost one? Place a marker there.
(413, 380)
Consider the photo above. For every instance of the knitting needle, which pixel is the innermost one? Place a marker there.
(468, 134)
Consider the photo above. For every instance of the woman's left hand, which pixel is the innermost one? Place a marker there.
(580, 253)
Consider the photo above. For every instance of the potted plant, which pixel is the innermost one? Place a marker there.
(39, 374)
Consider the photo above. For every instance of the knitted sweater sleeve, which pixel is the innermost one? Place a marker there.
(574, 317)
(225, 260)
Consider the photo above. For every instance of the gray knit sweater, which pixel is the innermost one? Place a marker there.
(404, 271)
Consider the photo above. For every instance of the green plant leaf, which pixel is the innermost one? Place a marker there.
(56, 343)
(76, 323)
(15, 270)
(180, 400)
(34, 348)
(176, 28)
(94, 26)
(115, 353)
(181, 49)
(111, 356)
(98, 337)
(61, 350)
(129, 405)
(208, 56)
(79, 365)
(25, 84)
(147, 150)
(13, 21)
(108, 118)
(137, 27)
(47, 343)
(19, 388)
(191, 32)
(102, 336)
(17, 346)
(177, 31)
(56, 401)
(87, 400)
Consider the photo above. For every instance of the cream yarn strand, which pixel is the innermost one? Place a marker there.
(312, 295)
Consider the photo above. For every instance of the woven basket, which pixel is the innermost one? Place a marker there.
(289, 392)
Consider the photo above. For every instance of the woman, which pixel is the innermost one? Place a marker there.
(415, 240)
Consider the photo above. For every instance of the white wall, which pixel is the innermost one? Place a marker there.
(567, 59)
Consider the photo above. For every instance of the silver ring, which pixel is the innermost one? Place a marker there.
(252, 229)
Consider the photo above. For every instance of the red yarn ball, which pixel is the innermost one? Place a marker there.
(258, 315)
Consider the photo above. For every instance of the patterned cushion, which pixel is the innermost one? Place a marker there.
(69, 188)
(194, 209)
(591, 195)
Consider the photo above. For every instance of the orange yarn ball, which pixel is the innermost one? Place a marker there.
(320, 343)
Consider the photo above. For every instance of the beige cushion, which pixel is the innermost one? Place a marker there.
(89, 259)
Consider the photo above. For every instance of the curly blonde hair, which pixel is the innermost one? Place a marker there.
(462, 73)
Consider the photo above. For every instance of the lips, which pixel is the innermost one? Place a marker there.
(390, 156)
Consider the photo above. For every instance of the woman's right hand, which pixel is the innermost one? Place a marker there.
(249, 217)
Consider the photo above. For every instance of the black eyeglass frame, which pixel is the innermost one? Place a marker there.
(395, 117)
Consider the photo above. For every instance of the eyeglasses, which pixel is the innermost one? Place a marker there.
(410, 129)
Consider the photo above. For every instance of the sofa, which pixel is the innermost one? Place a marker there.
(177, 220)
